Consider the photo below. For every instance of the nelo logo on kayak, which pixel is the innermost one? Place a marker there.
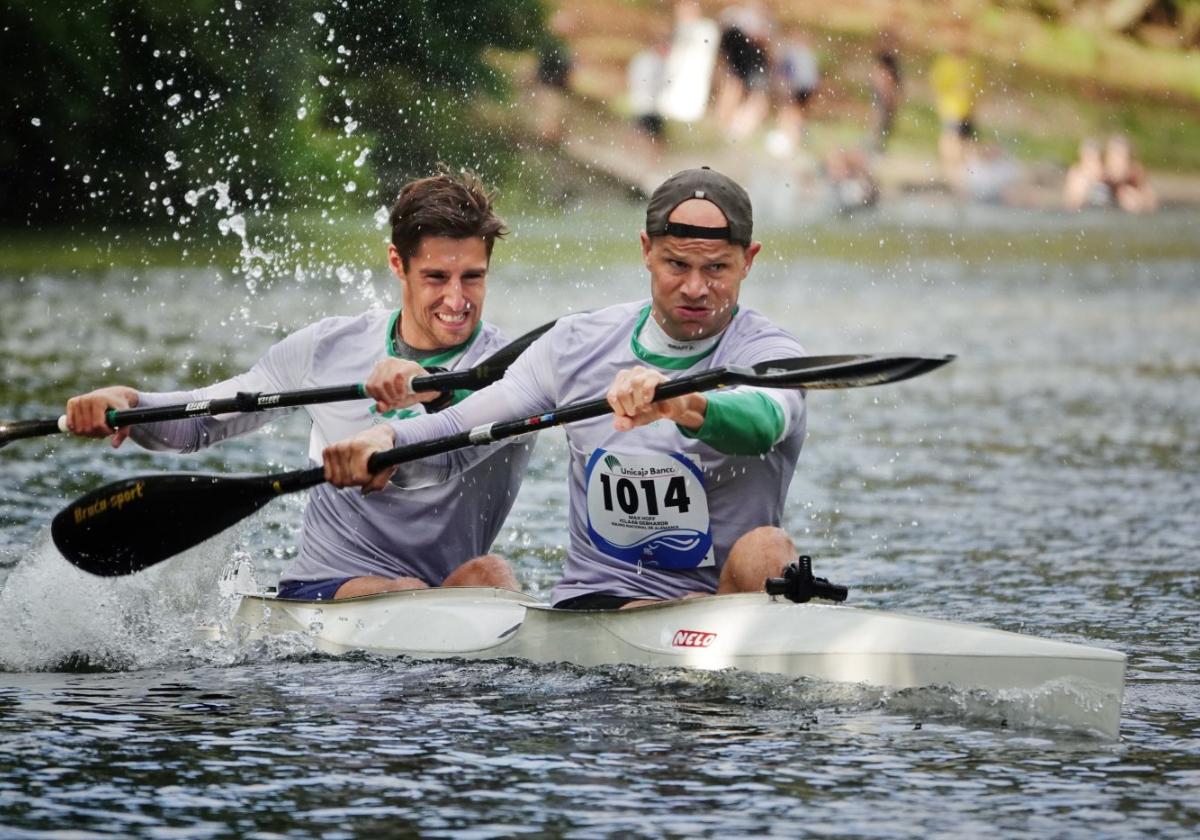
(693, 638)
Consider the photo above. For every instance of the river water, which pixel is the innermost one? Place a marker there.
(1046, 482)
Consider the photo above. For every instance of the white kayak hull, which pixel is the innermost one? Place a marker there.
(1081, 686)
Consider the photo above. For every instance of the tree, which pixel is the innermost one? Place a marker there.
(152, 109)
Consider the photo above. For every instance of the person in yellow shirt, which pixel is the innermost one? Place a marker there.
(956, 81)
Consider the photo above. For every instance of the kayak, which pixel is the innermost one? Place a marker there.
(1074, 685)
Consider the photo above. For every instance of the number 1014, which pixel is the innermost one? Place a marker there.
(630, 496)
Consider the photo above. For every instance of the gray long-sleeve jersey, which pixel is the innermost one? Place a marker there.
(424, 533)
(653, 512)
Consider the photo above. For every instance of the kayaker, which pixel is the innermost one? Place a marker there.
(658, 510)
(443, 231)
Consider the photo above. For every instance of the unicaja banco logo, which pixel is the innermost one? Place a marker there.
(612, 462)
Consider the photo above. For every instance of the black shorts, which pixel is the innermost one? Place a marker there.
(963, 128)
(310, 590)
(652, 124)
(594, 601)
(554, 69)
(747, 59)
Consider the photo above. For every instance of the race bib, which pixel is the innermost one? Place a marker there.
(649, 510)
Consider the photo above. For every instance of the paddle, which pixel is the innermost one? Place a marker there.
(480, 376)
(130, 525)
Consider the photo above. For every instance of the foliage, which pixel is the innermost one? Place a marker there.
(416, 68)
(142, 109)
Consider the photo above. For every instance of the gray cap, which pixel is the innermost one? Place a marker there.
(709, 185)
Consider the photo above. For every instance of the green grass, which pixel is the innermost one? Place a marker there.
(598, 236)
(24, 252)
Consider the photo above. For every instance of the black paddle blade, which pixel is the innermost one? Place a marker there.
(130, 525)
(493, 367)
(832, 372)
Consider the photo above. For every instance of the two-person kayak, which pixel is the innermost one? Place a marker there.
(1073, 685)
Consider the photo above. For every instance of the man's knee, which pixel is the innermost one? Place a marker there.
(372, 585)
(757, 555)
(487, 570)
(489, 565)
(766, 541)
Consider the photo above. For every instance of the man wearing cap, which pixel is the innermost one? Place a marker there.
(667, 500)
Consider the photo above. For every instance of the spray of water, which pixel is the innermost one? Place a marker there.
(59, 618)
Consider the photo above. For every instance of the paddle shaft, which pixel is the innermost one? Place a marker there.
(481, 435)
(480, 376)
(250, 402)
(819, 373)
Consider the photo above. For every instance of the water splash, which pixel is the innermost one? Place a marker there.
(59, 618)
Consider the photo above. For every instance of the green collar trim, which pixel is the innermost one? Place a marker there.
(437, 360)
(668, 362)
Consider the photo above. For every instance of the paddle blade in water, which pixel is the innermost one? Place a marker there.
(130, 525)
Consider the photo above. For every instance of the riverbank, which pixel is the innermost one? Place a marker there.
(1039, 102)
(578, 231)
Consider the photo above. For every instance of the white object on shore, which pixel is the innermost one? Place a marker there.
(690, 65)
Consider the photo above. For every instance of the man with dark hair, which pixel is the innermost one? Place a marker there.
(443, 231)
(658, 510)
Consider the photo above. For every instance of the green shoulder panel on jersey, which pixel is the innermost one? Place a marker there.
(740, 423)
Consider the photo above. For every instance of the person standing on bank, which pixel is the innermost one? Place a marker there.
(886, 90)
(443, 231)
(667, 500)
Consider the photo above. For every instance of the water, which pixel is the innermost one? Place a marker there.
(1046, 482)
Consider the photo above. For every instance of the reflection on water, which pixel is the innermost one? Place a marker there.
(1046, 482)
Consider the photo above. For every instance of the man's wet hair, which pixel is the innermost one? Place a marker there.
(451, 204)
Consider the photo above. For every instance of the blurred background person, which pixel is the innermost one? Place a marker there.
(992, 176)
(645, 77)
(553, 78)
(798, 75)
(1086, 185)
(956, 81)
(742, 100)
(1126, 177)
(852, 186)
(886, 89)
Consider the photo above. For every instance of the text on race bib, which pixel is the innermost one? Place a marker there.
(649, 509)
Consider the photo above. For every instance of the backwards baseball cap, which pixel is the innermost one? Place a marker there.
(712, 186)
